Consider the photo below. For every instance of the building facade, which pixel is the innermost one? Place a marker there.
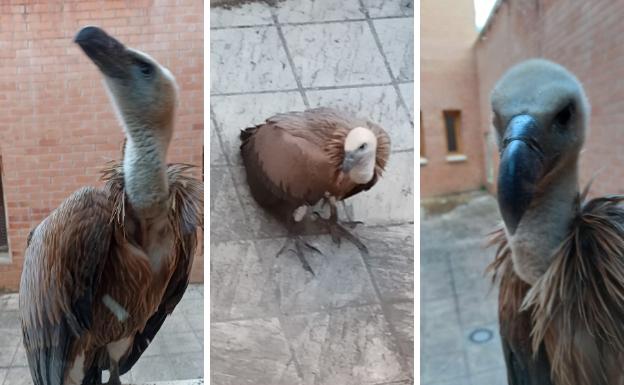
(585, 37)
(58, 128)
(451, 144)
(459, 67)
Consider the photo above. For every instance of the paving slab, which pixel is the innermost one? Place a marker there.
(248, 59)
(176, 353)
(335, 54)
(458, 299)
(272, 321)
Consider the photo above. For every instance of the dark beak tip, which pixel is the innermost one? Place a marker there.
(87, 33)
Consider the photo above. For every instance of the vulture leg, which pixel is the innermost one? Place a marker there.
(350, 222)
(114, 373)
(337, 230)
(300, 244)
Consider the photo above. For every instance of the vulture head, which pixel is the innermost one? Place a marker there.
(143, 92)
(540, 115)
(360, 149)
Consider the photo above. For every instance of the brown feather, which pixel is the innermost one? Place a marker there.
(88, 249)
(577, 307)
(296, 157)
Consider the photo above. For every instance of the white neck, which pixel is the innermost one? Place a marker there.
(544, 226)
(364, 172)
(145, 173)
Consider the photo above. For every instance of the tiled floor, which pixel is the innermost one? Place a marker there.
(272, 323)
(457, 298)
(175, 354)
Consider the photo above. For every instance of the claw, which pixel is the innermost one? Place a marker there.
(298, 250)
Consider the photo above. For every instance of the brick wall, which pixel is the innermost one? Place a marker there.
(585, 37)
(448, 81)
(57, 128)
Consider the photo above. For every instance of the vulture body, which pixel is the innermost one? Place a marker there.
(105, 268)
(560, 257)
(296, 159)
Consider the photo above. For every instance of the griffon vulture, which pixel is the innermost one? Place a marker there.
(560, 257)
(105, 268)
(296, 159)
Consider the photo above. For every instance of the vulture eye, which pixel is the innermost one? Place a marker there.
(362, 146)
(146, 69)
(563, 117)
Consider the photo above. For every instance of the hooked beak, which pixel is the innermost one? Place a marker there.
(106, 52)
(348, 162)
(521, 167)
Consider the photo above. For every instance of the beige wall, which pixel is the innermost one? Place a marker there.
(585, 37)
(448, 81)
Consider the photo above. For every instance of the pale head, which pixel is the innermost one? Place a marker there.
(540, 116)
(360, 149)
(143, 92)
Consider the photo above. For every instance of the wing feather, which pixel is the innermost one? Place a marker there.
(62, 267)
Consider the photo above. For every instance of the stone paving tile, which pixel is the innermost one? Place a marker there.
(391, 200)
(397, 41)
(407, 91)
(254, 13)
(227, 219)
(440, 329)
(335, 54)
(340, 277)
(384, 8)
(18, 376)
(436, 281)
(9, 340)
(391, 259)
(248, 59)
(443, 367)
(155, 368)
(401, 317)
(171, 356)
(234, 113)
(349, 346)
(484, 357)
(217, 156)
(297, 11)
(262, 225)
(251, 352)
(453, 262)
(240, 287)
(379, 103)
(492, 377)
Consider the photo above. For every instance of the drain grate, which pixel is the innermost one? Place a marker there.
(481, 335)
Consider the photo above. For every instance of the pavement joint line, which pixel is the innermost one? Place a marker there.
(371, 25)
(303, 23)
(316, 88)
(458, 313)
(213, 118)
(326, 309)
(385, 312)
(291, 62)
(281, 236)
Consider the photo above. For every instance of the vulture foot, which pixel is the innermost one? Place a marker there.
(337, 232)
(300, 244)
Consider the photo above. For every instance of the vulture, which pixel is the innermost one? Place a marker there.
(106, 267)
(560, 254)
(297, 159)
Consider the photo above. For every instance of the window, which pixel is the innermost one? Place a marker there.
(452, 124)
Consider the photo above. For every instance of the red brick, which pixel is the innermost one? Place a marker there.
(58, 129)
